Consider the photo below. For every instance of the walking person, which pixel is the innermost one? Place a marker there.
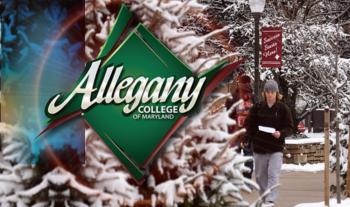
(242, 91)
(267, 124)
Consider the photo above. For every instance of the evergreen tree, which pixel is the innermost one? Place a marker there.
(60, 188)
(310, 41)
(105, 173)
(198, 164)
(16, 172)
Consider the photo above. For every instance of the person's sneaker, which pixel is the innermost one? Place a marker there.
(268, 204)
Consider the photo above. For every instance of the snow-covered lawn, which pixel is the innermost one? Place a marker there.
(332, 202)
(303, 168)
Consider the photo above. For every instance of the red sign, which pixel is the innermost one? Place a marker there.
(271, 47)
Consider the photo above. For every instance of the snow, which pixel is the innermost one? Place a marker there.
(332, 202)
(305, 141)
(315, 135)
(313, 138)
(16, 146)
(202, 146)
(303, 168)
(168, 190)
(103, 170)
(59, 177)
(169, 28)
(211, 149)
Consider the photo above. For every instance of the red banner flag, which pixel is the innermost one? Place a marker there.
(271, 47)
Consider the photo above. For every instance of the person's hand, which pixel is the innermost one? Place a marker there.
(244, 145)
(276, 134)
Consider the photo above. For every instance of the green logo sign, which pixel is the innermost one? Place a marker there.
(135, 95)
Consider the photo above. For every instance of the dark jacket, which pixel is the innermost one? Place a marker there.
(278, 117)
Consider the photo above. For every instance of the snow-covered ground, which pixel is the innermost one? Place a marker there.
(303, 168)
(332, 202)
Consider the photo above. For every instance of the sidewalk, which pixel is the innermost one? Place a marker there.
(297, 187)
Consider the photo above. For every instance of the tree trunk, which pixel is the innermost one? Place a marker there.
(289, 98)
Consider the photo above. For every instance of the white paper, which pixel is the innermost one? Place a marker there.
(267, 129)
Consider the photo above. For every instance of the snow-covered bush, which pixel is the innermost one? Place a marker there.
(16, 172)
(344, 143)
(200, 166)
(105, 173)
(312, 37)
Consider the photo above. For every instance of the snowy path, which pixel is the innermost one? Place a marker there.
(298, 187)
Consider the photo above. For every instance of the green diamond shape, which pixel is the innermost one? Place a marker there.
(135, 142)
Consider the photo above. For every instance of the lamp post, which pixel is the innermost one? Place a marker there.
(256, 7)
